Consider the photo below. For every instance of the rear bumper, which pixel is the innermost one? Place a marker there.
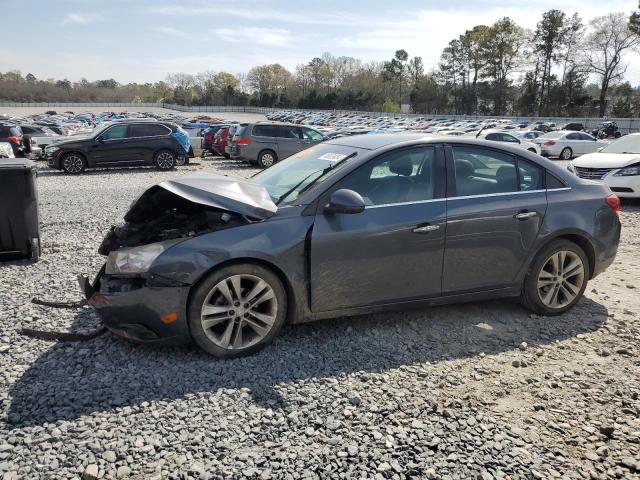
(140, 313)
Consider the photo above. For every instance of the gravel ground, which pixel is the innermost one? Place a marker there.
(482, 390)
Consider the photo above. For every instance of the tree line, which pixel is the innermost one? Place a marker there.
(564, 67)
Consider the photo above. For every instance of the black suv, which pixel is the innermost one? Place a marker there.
(120, 144)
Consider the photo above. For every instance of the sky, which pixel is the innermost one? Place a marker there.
(143, 40)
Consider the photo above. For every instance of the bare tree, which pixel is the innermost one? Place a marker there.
(609, 38)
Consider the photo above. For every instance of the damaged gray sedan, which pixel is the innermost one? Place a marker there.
(351, 226)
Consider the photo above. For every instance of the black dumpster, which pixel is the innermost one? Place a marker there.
(19, 224)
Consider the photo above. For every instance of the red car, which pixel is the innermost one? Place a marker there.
(220, 141)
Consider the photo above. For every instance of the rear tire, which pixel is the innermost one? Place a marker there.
(165, 160)
(556, 279)
(73, 163)
(267, 158)
(237, 310)
(566, 153)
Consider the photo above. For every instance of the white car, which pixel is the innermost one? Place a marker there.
(498, 136)
(5, 150)
(566, 144)
(617, 165)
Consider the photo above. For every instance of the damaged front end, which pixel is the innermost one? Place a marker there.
(187, 207)
(145, 307)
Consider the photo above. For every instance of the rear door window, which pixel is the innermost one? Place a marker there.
(483, 172)
(289, 131)
(531, 176)
(148, 130)
(265, 131)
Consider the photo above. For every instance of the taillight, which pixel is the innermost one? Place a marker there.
(14, 139)
(614, 202)
(243, 141)
(548, 143)
(208, 137)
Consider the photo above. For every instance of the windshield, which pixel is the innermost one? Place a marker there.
(288, 179)
(628, 144)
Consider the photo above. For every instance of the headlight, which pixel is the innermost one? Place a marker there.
(51, 149)
(628, 171)
(133, 260)
(570, 167)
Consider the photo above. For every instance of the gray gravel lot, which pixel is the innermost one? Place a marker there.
(482, 390)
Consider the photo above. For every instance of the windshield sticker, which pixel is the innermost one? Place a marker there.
(332, 157)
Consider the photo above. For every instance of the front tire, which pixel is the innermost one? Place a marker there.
(165, 160)
(73, 163)
(557, 278)
(566, 153)
(237, 310)
(267, 158)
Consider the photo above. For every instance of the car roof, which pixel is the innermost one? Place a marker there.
(373, 142)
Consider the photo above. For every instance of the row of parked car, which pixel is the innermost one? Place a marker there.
(73, 143)
(265, 143)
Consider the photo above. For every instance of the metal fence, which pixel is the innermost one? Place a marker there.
(626, 125)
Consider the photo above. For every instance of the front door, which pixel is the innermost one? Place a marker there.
(392, 251)
(494, 211)
(112, 146)
(289, 141)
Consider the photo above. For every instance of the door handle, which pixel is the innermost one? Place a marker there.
(426, 229)
(525, 215)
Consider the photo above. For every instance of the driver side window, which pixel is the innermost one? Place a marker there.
(118, 131)
(396, 177)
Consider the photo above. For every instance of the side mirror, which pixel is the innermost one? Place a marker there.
(100, 139)
(345, 201)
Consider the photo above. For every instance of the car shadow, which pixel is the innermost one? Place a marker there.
(45, 171)
(109, 372)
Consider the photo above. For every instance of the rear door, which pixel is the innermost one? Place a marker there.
(392, 251)
(496, 203)
(263, 137)
(590, 144)
(145, 140)
(289, 141)
(575, 142)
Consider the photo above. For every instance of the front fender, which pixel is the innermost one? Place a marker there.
(279, 241)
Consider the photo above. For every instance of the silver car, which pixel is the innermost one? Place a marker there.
(266, 143)
(566, 144)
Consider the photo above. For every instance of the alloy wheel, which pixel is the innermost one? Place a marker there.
(165, 160)
(561, 279)
(566, 154)
(239, 311)
(72, 164)
(267, 159)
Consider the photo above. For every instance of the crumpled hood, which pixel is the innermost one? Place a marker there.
(606, 160)
(235, 195)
